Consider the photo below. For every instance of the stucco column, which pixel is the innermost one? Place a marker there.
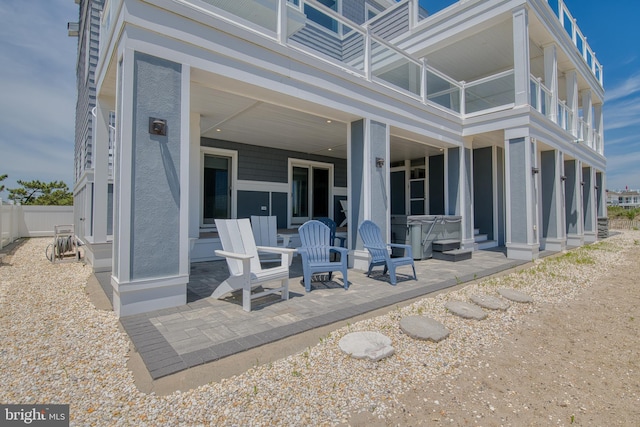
(553, 233)
(589, 202)
(521, 196)
(368, 194)
(150, 266)
(573, 202)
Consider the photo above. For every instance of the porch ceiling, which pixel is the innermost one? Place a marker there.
(239, 118)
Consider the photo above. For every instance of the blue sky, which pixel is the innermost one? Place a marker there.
(37, 86)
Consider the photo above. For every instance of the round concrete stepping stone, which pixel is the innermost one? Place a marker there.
(466, 310)
(423, 328)
(517, 296)
(490, 302)
(366, 345)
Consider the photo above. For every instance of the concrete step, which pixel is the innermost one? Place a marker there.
(445, 245)
(486, 244)
(476, 231)
(480, 238)
(454, 255)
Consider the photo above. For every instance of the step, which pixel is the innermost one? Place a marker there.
(480, 237)
(454, 255)
(487, 244)
(476, 231)
(445, 245)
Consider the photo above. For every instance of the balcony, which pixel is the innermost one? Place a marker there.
(364, 50)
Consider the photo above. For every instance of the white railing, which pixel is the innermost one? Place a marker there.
(490, 93)
(568, 22)
(17, 221)
(565, 116)
(541, 97)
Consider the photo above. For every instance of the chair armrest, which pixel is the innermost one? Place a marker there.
(285, 239)
(233, 255)
(342, 251)
(407, 248)
(342, 240)
(286, 253)
(274, 250)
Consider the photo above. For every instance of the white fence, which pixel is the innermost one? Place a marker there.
(31, 221)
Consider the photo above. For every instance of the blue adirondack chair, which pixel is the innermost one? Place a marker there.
(316, 249)
(332, 228)
(379, 250)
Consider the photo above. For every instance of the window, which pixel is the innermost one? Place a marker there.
(311, 185)
(217, 191)
(319, 17)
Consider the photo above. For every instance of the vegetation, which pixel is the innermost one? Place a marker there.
(616, 212)
(2, 178)
(54, 193)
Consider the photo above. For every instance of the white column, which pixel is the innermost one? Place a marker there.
(598, 124)
(521, 55)
(551, 79)
(572, 99)
(100, 171)
(587, 115)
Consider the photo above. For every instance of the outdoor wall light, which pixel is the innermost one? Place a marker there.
(379, 162)
(596, 187)
(582, 183)
(535, 170)
(563, 178)
(157, 126)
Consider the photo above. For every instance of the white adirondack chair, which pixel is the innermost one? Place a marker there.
(246, 273)
(265, 233)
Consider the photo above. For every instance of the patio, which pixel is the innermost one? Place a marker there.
(206, 330)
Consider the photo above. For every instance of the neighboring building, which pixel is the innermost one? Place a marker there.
(628, 199)
(490, 110)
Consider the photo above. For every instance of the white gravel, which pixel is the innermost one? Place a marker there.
(58, 348)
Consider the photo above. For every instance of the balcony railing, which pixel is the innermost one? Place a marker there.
(363, 50)
(568, 22)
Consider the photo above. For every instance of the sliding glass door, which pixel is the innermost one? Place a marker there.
(310, 192)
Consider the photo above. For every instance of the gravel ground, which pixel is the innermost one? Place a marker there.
(57, 348)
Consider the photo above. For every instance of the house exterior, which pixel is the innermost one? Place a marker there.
(490, 110)
(628, 199)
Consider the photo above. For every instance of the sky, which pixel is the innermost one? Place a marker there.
(38, 86)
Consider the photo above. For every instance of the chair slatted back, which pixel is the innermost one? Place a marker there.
(332, 228)
(265, 230)
(316, 239)
(236, 236)
(372, 238)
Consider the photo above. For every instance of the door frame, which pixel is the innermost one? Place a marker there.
(309, 164)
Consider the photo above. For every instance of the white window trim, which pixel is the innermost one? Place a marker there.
(306, 164)
(234, 181)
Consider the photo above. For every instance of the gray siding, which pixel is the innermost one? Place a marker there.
(518, 196)
(357, 177)
(453, 179)
(155, 191)
(468, 188)
(392, 25)
(483, 191)
(549, 197)
(251, 203)
(501, 200)
(266, 164)
(587, 199)
(572, 209)
(436, 185)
